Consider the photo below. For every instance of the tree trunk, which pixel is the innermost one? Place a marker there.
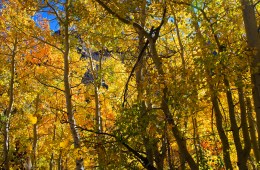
(99, 128)
(214, 100)
(196, 140)
(244, 125)
(70, 114)
(35, 135)
(164, 104)
(51, 163)
(221, 132)
(60, 161)
(8, 111)
(98, 116)
(169, 154)
(139, 72)
(252, 130)
(177, 134)
(241, 162)
(53, 139)
(253, 41)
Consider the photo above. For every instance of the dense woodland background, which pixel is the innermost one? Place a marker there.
(130, 84)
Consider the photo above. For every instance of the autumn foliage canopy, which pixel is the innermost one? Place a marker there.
(129, 84)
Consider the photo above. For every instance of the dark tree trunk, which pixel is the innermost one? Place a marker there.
(253, 40)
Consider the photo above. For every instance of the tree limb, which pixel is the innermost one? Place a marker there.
(48, 85)
(50, 44)
(157, 30)
(132, 71)
(55, 12)
(144, 160)
(124, 20)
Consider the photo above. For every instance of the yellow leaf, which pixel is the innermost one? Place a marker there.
(64, 144)
(29, 147)
(33, 119)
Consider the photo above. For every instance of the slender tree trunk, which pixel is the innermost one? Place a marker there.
(234, 127)
(100, 148)
(60, 161)
(244, 125)
(184, 77)
(180, 43)
(139, 72)
(70, 114)
(177, 134)
(253, 40)
(196, 141)
(98, 116)
(242, 154)
(221, 132)
(35, 135)
(169, 154)
(164, 104)
(214, 100)
(160, 157)
(28, 163)
(35, 140)
(8, 111)
(252, 130)
(147, 138)
(51, 163)
(53, 139)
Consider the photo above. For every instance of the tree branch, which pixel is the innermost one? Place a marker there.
(55, 12)
(124, 20)
(132, 71)
(48, 85)
(50, 44)
(157, 30)
(144, 160)
(256, 3)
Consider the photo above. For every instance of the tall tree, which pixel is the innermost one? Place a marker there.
(14, 44)
(253, 41)
(62, 11)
